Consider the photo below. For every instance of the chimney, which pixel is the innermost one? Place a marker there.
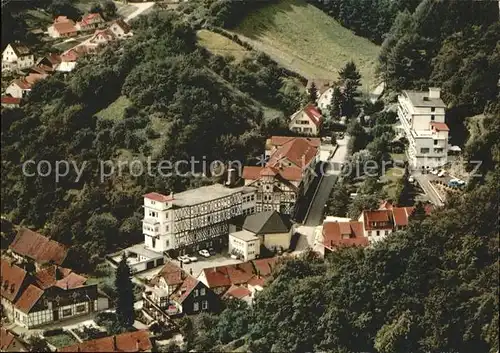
(115, 348)
(231, 177)
(434, 93)
(137, 345)
(191, 271)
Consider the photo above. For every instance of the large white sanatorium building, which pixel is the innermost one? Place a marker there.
(422, 118)
(195, 218)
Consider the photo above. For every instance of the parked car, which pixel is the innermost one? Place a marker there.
(184, 259)
(441, 173)
(461, 182)
(434, 171)
(212, 252)
(411, 179)
(192, 258)
(453, 182)
(204, 253)
(234, 257)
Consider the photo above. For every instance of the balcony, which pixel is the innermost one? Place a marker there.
(151, 227)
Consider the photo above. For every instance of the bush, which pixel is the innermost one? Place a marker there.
(53, 332)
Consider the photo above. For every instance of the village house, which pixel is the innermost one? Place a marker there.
(10, 102)
(244, 244)
(306, 121)
(19, 88)
(90, 22)
(378, 224)
(174, 292)
(10, 342)
(62, 27)
(268, 228)
(136, 341)
(339, 234)
(50, 294)
(17, 57)
(120, 29)
(286, 173)
(50, 60)
(422, 118)
(325, 99)
(33, 248)
(227, 281)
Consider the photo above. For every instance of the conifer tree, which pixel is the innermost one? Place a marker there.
(125, 294)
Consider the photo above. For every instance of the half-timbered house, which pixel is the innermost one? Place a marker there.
(193, 219)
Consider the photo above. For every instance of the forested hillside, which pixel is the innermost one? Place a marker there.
(206, 105)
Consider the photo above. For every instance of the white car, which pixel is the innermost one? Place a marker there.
(192, 258)
(441, 173)
(204, 253)
(411, 179)
(434, 171)
(234, 257)
(184, 259)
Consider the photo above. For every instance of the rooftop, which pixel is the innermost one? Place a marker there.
(267, 222)
(422, 99)
(137, 341)
(204, 194)
(244, 235)
(38, 247)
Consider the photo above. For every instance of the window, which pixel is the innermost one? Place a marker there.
(196, 292)
(153, 214)
(196, 306)
(424, 150)
(433, 117)
(378, 232)
(152, 202)
(167, 243)
(204, 304)
(66, 312)
(435, 142)
(202, 291)
(433, 109)
(80, 308)
(153, 241)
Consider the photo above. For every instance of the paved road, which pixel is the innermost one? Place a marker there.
(315, 214)
(430, 191)
(141, 8)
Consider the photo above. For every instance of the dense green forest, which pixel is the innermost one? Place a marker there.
(170, 82)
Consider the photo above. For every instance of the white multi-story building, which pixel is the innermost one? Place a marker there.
(193, 219)
(422, 118)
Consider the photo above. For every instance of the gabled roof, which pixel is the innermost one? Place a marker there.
(11, 280)
(91, 18)
(313, 114)
(29, 298)
(344, 234)
(22, 83)
(264, 267)
(281, 140)
(34, 78)
(122, 24)
(64, 27)
(137, 341)
(267, 222)
(38, 248)
(300, 151)
(171, 273)
(8, 341)
(237, 292)
(20, 49)
(184, 289)
(225, 276)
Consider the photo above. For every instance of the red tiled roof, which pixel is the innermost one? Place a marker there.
(313, 113)
(217, 277)
(281, 140)
(6, 339)
(91, 18)
(237, 292)
(385, 205)
(53, 58)
(440, 126)
(39, 248)
(257, 281)
(11, 100)
(299, 151)
(171, 273)
(11, 280)
(48, 276)
(240, 273)
(377, 216)
(22, 83)
(158, 197)
(251, 173)
(70, 55)
(29, 298)
(185, 289)
(33, 78)
(287, 173)
(401, 215)
(137, 341)
(265, 266)
(335, 233)
(64, 27)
